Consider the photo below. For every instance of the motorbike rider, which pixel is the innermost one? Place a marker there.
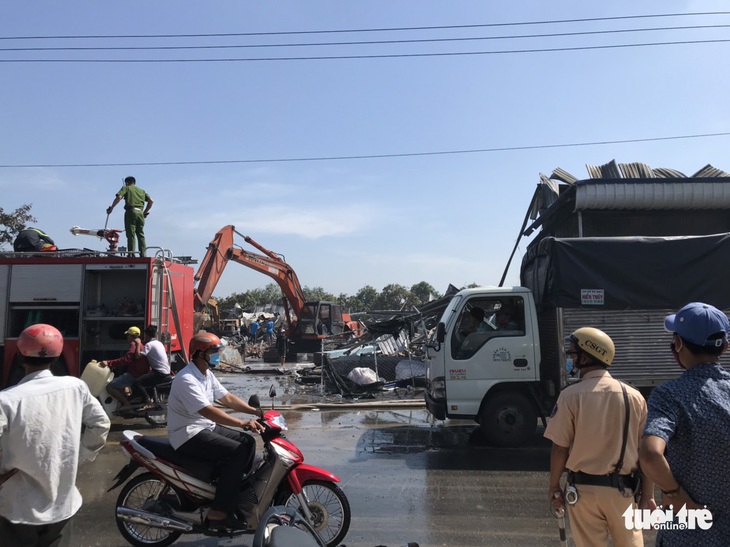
(156, 356)
(197, 429)
(136, 365)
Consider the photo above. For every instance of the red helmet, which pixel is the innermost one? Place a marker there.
(40, 341)
(203, 341)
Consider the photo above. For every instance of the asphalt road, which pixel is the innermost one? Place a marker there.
(406, 479)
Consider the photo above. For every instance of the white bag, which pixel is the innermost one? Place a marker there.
(409, 369)
(362, 376)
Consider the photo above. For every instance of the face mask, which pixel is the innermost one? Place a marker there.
(676, 354)
(570, 369)
(214, 360)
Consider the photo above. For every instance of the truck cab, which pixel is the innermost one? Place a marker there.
(483, 363)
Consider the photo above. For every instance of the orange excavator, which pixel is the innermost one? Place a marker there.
(308, 322)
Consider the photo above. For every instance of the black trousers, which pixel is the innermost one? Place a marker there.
(233, 451)
(58, 534)
(150, 380)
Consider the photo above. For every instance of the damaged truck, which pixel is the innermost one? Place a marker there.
(617, 252)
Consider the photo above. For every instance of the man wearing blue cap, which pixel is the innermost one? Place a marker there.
(686, 444)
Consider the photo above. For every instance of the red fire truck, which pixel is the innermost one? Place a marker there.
(93, 298)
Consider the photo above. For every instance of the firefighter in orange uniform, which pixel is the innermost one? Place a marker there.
(597, 441)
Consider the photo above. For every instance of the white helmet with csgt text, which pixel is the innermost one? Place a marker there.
(595, 343)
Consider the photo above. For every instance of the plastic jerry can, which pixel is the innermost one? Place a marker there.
(96, 377)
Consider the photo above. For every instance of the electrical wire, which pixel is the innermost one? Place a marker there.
(366, 42)
(374, 156)
(370, 56)
(386, 29)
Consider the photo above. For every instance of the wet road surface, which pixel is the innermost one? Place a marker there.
(406, 478)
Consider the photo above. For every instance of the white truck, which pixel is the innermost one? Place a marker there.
(505, 370)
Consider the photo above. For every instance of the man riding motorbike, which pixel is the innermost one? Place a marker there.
(135, 366)
(156, 356)
(196, 427)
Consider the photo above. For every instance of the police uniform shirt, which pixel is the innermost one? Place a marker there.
(589, 419)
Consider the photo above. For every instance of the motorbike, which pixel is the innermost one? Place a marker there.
(173, 495)
(98, 377)
(284, 527)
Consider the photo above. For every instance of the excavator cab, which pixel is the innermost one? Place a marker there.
(319, 319)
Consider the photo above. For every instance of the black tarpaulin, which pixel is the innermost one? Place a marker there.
(629, 272)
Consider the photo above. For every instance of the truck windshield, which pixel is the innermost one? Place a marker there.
(483, 318)
(450, 311)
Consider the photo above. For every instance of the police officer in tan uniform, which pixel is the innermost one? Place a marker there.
(587, 430)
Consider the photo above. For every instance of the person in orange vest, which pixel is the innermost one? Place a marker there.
(33, 239)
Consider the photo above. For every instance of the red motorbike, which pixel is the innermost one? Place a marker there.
(172, 497)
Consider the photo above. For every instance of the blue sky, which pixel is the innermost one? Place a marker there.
(343, 224)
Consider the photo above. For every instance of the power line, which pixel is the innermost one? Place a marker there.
(385, 29)
(368, 42)
(374, 156)
(370, 56)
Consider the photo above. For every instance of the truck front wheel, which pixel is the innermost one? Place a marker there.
(508, 419)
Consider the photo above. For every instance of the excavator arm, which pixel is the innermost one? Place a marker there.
(222, 249)
(212, 266)
(278, 270)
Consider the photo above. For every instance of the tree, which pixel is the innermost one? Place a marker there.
(366, 298)
(245, 300)
(394, 297)
(317, 293)
(11, 224)
(270, 294)
(424, 292)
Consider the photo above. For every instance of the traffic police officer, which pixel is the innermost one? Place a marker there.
(587, 430)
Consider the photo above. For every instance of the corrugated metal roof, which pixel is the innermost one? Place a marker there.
(710, 171)
(562, 175)
(636, 170)
(628, 186)
(664, 173)
(609, 170)
(652, 195)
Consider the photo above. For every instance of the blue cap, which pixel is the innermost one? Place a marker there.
(696, 322)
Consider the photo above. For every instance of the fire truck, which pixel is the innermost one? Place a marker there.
(93, 297)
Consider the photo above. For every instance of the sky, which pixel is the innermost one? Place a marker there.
(443, 151)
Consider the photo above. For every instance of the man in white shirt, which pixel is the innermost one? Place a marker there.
(42, 444)
(196, 427)
(156, 355)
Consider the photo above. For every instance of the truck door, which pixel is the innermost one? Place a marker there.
(488, 344)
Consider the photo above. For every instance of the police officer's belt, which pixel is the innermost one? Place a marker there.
(621, 482)
(625, 483)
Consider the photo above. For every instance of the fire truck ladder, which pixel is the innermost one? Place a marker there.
(168, 307)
